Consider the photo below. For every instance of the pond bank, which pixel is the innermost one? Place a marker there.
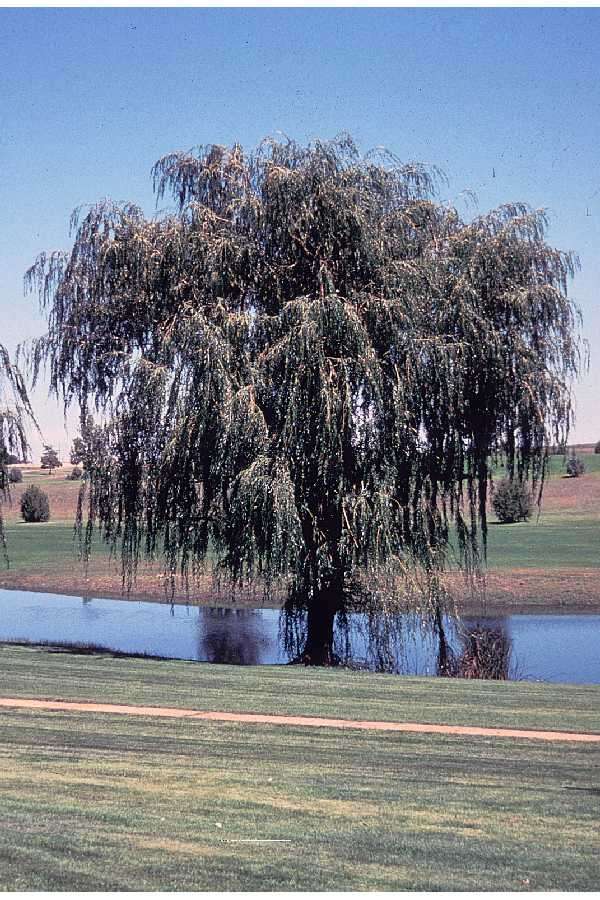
(300, 691)
(533, 590)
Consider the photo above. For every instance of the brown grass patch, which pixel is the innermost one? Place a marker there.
(102, 578)
(580, 496)
(523, 589)
(61, 493)
(172, 845)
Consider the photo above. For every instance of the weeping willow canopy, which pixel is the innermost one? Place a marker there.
(307, 365)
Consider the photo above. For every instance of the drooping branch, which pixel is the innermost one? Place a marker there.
(15, 414)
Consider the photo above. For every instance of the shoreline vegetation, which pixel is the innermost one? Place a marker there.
(549, 564)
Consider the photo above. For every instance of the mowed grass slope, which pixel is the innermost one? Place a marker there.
(45, 546)
(294, 690)
(92, 803)
(563, 533)
(103, 802)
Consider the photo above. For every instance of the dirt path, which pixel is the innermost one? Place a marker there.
(309, 721)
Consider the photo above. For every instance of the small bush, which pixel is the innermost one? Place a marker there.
(35, 506)
(512, 501)
(486, 653)
(575, 466)
(15, 476)
(597, 448)
(75, 474)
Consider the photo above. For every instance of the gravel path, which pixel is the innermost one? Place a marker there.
(306, 721)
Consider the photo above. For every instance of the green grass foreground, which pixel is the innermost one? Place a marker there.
(101, 802)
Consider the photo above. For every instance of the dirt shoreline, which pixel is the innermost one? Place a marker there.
(508, 591)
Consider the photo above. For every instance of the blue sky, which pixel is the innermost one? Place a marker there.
(506, 101)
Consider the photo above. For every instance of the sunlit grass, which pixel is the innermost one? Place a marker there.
(101, 802)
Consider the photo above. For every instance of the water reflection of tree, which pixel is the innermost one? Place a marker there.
(363, 638)
(461, 648)
(293, 625)
(235, 636)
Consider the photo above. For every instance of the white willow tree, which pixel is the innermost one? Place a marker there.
(307, 366)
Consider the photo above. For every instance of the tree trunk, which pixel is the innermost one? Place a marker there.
(322, 610)
(445, 659)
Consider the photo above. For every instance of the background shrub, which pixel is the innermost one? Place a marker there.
(575, 466)
(75, 474)
(597, 448)
(512, 501)
(35, 506)
(15, 476)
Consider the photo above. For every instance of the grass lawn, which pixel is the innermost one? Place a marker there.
(565, 533)
(558, 463)
(46, 545)
(101, 802)
(293, 690)
(554, 541)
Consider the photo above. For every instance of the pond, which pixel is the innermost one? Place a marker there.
(556, 648)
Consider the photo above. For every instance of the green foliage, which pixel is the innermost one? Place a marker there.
(75, 474)
(77, 451)
(50, 459)
(35, 506)
(512, 501)
(575, 466)
(307, 364)
(15, 475)
(597, 447)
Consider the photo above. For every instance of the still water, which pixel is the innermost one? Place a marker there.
(559, 648)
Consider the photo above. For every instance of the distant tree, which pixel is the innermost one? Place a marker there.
(35, 505)
(597, 447)
(307, 366)
(15, 476)
(77, 451)
(575, 466)
(75, 474)
(50, 459)
(512, 501)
